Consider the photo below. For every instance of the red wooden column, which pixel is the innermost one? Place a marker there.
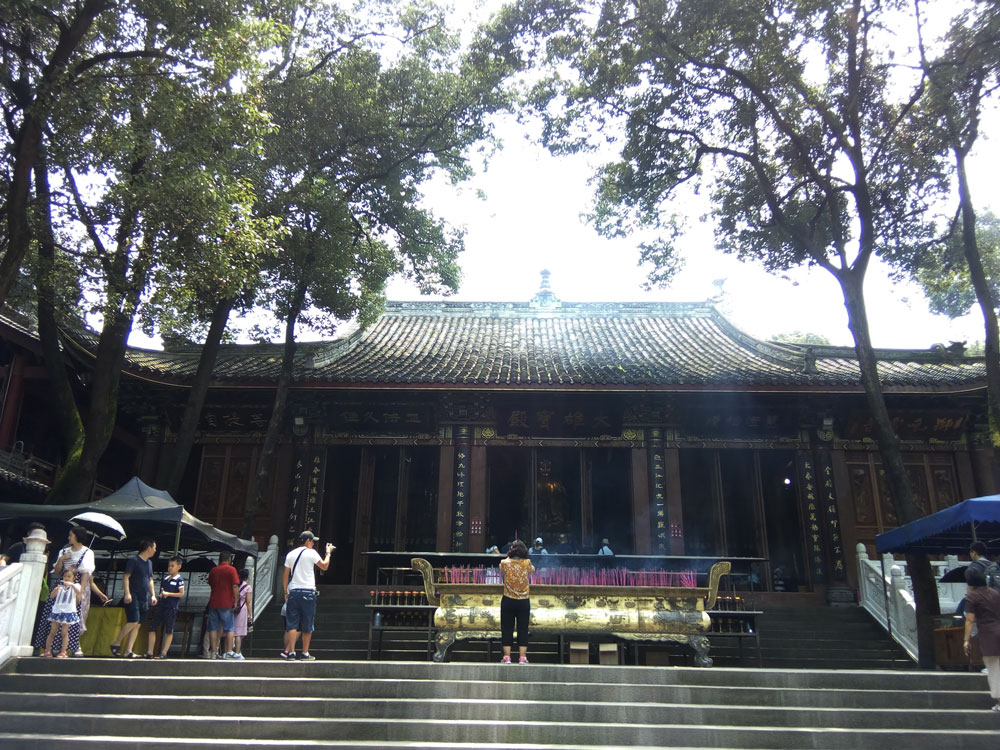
(659, 532)
(640, 501)
(675, 509)
(461, 497)
(477, 499)
(446, 486)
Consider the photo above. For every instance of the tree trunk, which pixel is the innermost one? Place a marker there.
(64, 400)
(277, 416)
(28, 142)
(900, 492)
(984, 294)
(196, 398)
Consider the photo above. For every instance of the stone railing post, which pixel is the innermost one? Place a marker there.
(34, 561)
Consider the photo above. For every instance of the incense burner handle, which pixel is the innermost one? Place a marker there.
(718, 570)
(425, 569)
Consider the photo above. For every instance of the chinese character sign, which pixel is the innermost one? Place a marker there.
(460, 514)
(828, 500)
(659, 515)
(811, 498)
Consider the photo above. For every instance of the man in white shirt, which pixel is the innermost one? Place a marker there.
(299, 583)
(605, 548)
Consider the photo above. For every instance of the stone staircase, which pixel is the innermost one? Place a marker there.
(791, 637)
(157, 705)
(815, 637)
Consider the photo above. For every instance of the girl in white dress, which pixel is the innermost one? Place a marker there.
(65, 599)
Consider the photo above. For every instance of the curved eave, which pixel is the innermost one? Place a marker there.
(717, 387)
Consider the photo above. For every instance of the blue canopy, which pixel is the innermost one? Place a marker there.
(949, 531)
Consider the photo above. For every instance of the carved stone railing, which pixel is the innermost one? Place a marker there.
(266, 579)
(20, 586)
(887, 594)
(10, 584)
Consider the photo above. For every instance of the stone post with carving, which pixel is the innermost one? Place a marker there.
(34, 561)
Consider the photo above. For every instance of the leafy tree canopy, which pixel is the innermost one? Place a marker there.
(943, 273)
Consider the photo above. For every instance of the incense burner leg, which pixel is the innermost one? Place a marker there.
(445, 640)
(700, 644)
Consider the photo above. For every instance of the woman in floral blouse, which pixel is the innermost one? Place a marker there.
(515, 606)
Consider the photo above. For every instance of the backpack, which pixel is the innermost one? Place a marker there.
(991, 570)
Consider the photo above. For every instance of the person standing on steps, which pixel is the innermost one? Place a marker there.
(224, 582)
(982, 608)
(139, 594)
(299, 583)
(515, 605)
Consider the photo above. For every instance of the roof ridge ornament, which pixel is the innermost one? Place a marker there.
(545, 296)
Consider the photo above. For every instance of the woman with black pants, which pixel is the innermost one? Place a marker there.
(515, 604)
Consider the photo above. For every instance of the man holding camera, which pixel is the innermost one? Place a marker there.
(299, 583)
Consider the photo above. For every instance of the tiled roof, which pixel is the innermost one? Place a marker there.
(560, 345)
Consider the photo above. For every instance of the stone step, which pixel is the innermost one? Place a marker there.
(12, 741)
(495, 680)
(581, 733)
(459, 709)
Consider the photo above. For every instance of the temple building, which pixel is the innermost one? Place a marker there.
(452, 426)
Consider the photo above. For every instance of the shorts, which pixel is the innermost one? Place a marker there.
(221, 619)
(165, 616)
(300, 614)
(135, 611)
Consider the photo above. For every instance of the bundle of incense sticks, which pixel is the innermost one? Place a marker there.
(564, 576)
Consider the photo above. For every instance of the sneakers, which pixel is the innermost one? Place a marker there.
(213, 655)
(505, 660)
(236, 655)
(287, 655)
(115, 649)
(306, 656)
(996, 707)
(523, 660)
(229, 655)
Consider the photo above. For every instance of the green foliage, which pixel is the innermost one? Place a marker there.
(358, 129)
(147, 131)
(783, 110)
(943, 272)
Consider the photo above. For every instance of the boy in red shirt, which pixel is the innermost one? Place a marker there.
(224, 582)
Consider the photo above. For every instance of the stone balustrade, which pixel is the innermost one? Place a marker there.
(20, 587)
(887, 593)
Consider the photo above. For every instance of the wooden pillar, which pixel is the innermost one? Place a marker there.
(640, 502)
(659, 531)
(461, 496)
(446, 485)
(848, 514)
(402, 499)
(675, 507)
(586, 540)
(477, 500)
(983, 466)
(13, 393)
(363, 519)
(965, 476)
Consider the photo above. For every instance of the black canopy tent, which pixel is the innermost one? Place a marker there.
(144, 512)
